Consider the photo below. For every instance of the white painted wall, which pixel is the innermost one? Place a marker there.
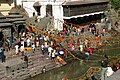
(28, 6)
(56, 7)
(58, 16)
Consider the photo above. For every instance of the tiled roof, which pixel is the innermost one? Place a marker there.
(19, 22)
(5, 24)
(14, 11)
(14, 16)
(17, 19)
(37, 4)
(4, 20)
(84, 2)
(2, 16)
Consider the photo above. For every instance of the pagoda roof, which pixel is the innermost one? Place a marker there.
(14, 11)
(5, 25)
(84, 2)
(17, 19)
(19, 22)
(4, 20)
(2, 16)
(14, 16)
(36, 4)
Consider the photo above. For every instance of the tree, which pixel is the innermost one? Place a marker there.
(115, 4)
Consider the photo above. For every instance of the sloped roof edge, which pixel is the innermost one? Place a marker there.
(83, 2)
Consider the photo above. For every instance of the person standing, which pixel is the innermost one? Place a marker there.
(42, 48)
(28, 42)
(33, 47)
(50, 50)
(26, 59)
(2, 56)
(16, 49)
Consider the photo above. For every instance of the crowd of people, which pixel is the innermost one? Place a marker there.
(52, 44)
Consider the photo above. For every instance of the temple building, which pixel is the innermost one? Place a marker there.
(70, 11)
(12, 24)
(5, 26)
(6, 5)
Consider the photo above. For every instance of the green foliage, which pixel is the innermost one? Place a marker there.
(115, 4)
(119, 13)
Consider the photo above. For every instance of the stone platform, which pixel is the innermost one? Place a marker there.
(16, 69)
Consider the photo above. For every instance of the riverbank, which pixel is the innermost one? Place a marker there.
(74, 70)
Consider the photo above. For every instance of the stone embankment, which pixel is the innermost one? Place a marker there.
(16, 69)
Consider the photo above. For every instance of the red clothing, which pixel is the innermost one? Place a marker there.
(118, 66)
(90, 49)
(30, 29)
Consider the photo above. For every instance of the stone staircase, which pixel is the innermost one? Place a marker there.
(2, 74)
(18, 70)
(13, 69)
(37, 61)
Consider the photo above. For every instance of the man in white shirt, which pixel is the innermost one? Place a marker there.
(61, 53)
(28, 42)
(16, 49)
(42, 48)
(49, 50)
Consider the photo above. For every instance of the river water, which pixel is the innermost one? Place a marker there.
(74, 69)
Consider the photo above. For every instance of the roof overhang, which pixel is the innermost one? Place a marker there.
(82, 15)
(19, 22)
(17, 19)
(68, 3)
(5, 25)
(14, 16)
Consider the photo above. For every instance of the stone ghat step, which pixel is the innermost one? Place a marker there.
(51, 67)
(23, 77)
(39, 58)
(36, 53)
(16, 76)
(34, 56)
(39, 61)
(19, 72)
(39, 64)
(46, 65)
(1, 69)
(37, 68)
(2, 76)
(2, 72)
(5, 78)
(39, 71)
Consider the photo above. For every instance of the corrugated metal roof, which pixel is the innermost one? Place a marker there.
(84, 2)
